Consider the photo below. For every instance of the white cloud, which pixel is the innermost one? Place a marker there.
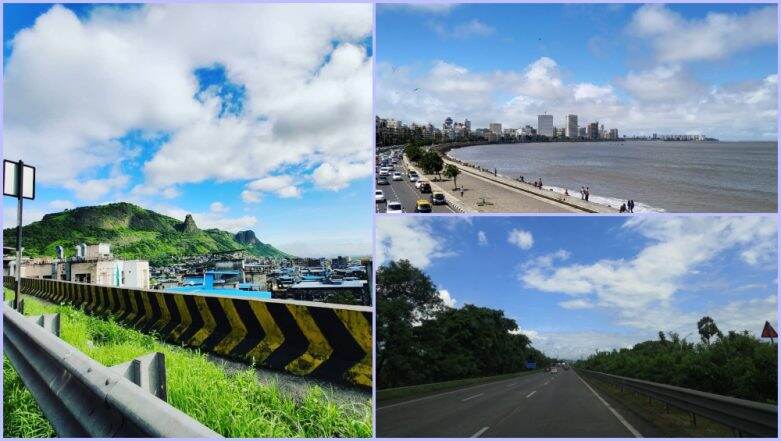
(576, 304)
(432, 8)
(718, 35)
(461, 31)
(210, 219)
(338, 175)
(573, 345)
(482, 240)
(660, 99)
(251, 197)
(407, 238)
(642, 290)
(217, 207)
(332, 246)
(448, 301)
(749, 315)
(74, 86)
(521, 238)
(61, 204)
(284, 186)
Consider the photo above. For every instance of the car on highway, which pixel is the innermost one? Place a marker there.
(394, 207)
(384, 171)
(397, 176)
(379, 196)
(425, 187)
(554, 370)
(438, 198)
(413, 176)
(382, 180)
(422, 206)
(418, 183)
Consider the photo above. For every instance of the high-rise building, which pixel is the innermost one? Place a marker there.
(593, 131)
(545, 125)
(613, 134)
(572, 126)
(448, 123)
(468, 125)
(581, 132)
(495, 128)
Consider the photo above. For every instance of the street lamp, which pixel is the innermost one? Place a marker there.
(18, 182)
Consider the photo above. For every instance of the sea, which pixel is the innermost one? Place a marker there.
(681, 177)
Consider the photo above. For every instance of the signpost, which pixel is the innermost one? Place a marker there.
(769, 332)
(18, 182)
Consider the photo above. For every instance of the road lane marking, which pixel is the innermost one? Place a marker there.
(450, 392)
(480, 432)
(473, 396)
(617, 415)
(546, 383)
(533, 392)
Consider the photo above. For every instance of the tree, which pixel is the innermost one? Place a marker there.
(451, 171)
(405, 295)
(707, 329)
(413, 152)
(432, 163)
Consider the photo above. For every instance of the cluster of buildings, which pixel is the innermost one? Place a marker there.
(391, 131)
(231, 273)
(92, 264)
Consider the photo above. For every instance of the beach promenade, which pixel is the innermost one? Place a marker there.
(486, 193)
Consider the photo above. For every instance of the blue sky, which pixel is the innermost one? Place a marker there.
(251, 126)
(640, 68)
(578, 284)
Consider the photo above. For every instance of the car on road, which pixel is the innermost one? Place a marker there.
(384, 171)
(554, 370)
(397, 176)
(422, 206)
(413, 176)
(418, 183)
(382, 180)
(394, 207)
(379, 196)
(425, 187)
(438, 198)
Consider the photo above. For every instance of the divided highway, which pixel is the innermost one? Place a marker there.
(405, 192)
(536, 405)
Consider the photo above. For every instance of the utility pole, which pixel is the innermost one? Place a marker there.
(18, 182)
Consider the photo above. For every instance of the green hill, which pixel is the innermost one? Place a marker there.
(133, 232)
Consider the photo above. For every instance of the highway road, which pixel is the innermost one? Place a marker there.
(406, 193)
(536, 405)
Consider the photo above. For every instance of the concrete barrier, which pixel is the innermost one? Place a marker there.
(328, 341)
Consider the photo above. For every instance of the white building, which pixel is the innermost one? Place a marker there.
(572, 126)
(545, 125)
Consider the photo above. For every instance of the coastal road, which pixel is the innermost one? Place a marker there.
(541, 404)
(406, 193)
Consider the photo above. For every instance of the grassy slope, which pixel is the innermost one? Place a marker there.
(232, 404)
(134, 233)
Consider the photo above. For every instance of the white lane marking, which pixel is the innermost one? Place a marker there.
(617, 415)
(449, 392)
(473, 396)
(480, 432)
(533, 392)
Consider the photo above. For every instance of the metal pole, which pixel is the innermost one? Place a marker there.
(19, 183)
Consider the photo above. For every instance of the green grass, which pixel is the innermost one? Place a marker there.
(234, 404)
(669, 421)
(423, 389)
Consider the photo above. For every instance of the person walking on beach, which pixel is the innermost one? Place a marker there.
(494, 171)
(583, 192)
(588, 192)
(631, 206)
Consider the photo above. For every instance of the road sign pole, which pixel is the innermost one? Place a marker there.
(20, 198)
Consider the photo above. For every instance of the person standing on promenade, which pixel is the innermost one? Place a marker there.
(462, 190)
(583, 192)
(631, 204)
(494, 171)
(588, 192)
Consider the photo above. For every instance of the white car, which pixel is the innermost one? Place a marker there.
(384, 171)
(379, 196)
(418, 183)
(394, 207)
(413, 178)
(397, 177)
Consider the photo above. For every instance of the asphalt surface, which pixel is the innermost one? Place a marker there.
(406, 193)
(537, 405)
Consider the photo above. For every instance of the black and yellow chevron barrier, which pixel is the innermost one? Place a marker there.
(328, 341)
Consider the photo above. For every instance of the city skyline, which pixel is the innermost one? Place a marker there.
(110, 106)
(428, 66)
(577, 285)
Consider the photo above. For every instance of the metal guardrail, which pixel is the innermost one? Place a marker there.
(749, 417)
(82, 398)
